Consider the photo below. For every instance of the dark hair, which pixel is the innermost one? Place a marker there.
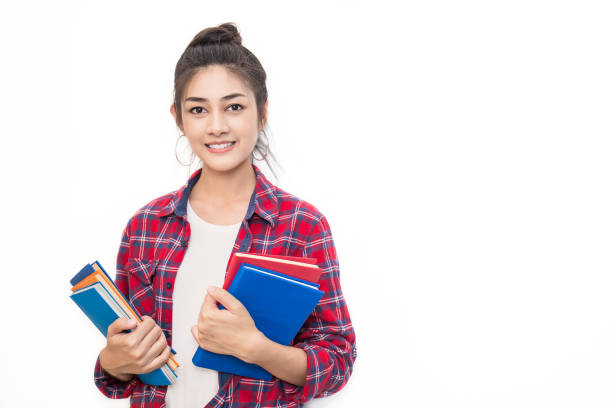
(222, 45)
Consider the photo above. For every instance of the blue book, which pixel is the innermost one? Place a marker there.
(102, 308)
(279, 305)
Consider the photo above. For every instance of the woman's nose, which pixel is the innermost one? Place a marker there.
(216, 122)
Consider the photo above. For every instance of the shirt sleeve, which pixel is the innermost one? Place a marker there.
(327, 336)
(110, 386)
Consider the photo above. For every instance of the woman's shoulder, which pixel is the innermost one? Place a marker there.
(281, 201)
(291, 205)
(154, 209)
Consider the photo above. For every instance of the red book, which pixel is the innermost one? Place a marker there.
(295, 266)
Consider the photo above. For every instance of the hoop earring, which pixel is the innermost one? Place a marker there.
(176, 155)
(267, 149)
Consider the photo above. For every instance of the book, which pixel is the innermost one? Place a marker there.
(297, 267)
(100, 300)
(279, 305)
(90, 274)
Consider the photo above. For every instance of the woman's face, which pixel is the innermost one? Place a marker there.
(218, 108)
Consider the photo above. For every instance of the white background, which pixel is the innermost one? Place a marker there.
(460, 151)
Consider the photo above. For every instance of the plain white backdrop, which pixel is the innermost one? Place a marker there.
(460, 151)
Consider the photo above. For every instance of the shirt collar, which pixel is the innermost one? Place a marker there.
(263, 200)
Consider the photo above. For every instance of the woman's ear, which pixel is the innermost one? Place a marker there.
(173, 113)
(264, 114)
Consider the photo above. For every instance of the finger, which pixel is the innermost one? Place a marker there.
(142, 329)
(158, 361)
(225, 298)
(209, 303)
(151, 338)
(156, 349)
(119, 325)
(194, 333)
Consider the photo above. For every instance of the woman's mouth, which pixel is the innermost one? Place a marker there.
(220, 147)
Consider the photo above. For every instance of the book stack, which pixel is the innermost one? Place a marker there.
(279, 292)
(98, 297)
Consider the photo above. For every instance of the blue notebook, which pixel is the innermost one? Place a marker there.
(279, 305)
(102, 309)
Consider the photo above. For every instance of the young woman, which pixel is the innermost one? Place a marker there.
(174, 253)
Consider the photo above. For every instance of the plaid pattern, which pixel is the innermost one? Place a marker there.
(153, 245)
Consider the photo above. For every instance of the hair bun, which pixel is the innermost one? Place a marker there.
(224, 33)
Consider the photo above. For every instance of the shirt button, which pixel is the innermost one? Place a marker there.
(169, 285)
(184, 244)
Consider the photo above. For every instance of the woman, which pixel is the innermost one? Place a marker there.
(174, 253)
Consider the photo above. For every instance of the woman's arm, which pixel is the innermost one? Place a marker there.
(233, 331)
(284, 362)
(109, 385)
(327, 337)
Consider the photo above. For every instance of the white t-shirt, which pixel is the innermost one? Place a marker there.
(210, 246)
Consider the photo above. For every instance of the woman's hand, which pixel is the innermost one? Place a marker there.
(230, 331)
(140, 351)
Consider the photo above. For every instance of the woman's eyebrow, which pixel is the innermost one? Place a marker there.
(224, 98)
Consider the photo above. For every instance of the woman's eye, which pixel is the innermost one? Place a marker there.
(200, 109)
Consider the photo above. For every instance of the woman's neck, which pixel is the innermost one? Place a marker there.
(224, 187)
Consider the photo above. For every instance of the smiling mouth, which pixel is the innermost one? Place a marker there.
(220, 145)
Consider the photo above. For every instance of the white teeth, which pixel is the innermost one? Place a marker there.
(220, 146)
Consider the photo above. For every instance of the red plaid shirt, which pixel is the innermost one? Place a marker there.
(152, 247)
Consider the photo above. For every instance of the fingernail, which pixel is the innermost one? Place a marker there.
(210, 289)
